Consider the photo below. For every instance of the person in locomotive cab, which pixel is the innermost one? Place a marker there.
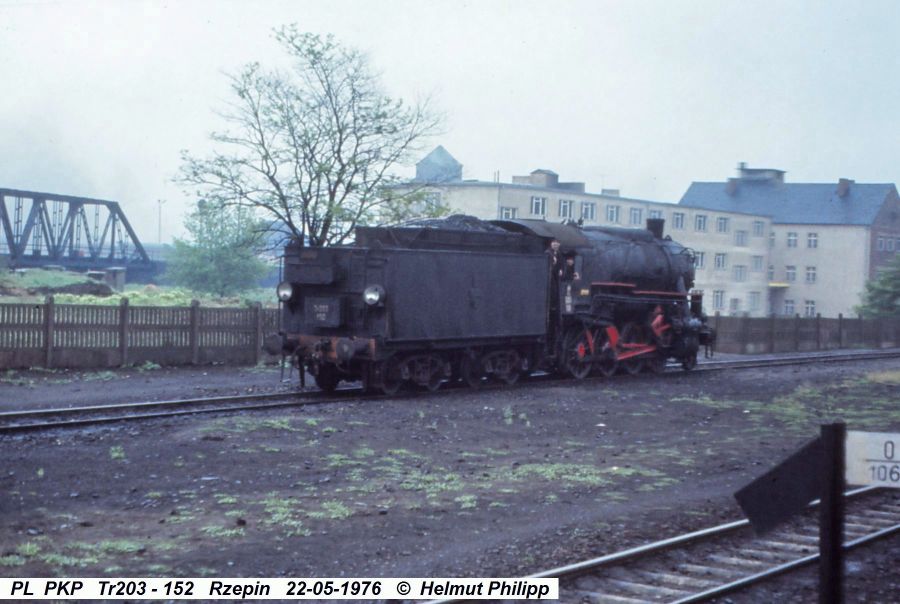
(567, 272)
(555, 260)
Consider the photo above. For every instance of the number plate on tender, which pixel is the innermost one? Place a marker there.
(323, 312)
(873, 458)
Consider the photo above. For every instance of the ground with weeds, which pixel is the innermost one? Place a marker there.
(498, 483)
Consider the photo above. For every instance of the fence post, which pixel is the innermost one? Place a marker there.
(123, 331)
(772, 332)
(745, 332)
(258, 335)
(195, 332)
(49, 306)
(797, 332)
(818, 331)
(840, 330)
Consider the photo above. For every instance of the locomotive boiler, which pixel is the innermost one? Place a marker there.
(460, 298)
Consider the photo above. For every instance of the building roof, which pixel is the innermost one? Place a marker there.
(438, 166)
(792, 203)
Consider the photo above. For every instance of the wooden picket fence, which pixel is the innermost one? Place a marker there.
(79, 336)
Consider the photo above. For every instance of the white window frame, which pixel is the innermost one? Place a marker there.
(565, 208)
(700, 223)
(759, 228)
(722, 224)
(635, 216)
(718, 299)
(654, 214)
(809, 308)
(740, 273)
(810, 274)
(812, 240)
(538, 203)
(790, 273)
(740, 238)
(789, 307)
(588, 210)
(678, 221)
(721, 262)
(699, 259)
(792, 239)
(755, 300)
(612, 213)
(508, 213)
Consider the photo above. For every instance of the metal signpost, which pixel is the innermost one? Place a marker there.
(822, 468)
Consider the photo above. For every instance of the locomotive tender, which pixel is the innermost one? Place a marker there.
(459, 298)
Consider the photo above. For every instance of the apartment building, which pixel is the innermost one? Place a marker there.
(826, 239)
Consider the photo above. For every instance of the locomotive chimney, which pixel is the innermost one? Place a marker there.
(655, 226)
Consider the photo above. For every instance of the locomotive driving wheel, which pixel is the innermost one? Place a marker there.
(632, 333)
(578, 356)
(604, 356)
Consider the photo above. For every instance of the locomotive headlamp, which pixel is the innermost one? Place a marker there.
(284, 291)
(374, 294)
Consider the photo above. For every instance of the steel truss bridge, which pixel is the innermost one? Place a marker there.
(77, 233)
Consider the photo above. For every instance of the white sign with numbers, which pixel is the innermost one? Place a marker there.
(873, 458)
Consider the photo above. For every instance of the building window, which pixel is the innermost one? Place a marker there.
(718, 299)
(771, 272)
(721, 224)
(740, 238)
(678, 220)
(788, 307)
(432, 200)
(721, 261)
(699, 259)
(810, 274)
(812, 240)
(757, 265)
(771, 238)
(809, 308)
(654, 213)
(734, 305)
(759, 228)
(740, 272)
(700, 222)
(588, 210)
(508, 213)
(612, 213)
(755, 299)
(538, 206)
(635, 215)
(565, 208)
(790, 273)
(792, 239)
(890, 245)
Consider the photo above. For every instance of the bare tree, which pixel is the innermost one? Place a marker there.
(312, 150)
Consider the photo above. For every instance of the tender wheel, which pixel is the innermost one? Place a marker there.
(632, 334)
(434, 382)
(578, 354)
(689, 363)
(390, 378)
(509, 373)
(470, 371)
(327, 378)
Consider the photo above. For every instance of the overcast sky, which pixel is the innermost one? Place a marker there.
(98, 98)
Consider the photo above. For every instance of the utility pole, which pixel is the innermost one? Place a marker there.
(159, 203)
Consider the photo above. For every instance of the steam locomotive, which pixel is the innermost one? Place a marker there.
(465, 299)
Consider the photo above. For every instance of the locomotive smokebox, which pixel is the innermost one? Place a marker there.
(655, 226)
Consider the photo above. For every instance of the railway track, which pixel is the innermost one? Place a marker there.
(31, 420)
(710, 563)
